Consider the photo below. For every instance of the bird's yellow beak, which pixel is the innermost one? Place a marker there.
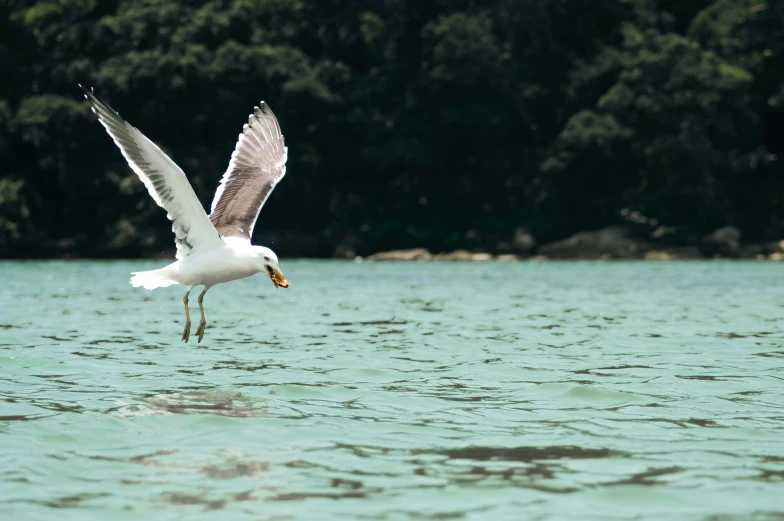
(279, 280)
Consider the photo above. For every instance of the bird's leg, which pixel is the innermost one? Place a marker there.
(203, 322)
(187, 331)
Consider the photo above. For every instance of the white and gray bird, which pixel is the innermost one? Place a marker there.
(215, 248)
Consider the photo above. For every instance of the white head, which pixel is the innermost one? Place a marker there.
(269, 264)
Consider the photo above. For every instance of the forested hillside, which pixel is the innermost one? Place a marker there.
(445, 124)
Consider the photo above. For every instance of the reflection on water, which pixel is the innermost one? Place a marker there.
(203, 402)
(397, 391)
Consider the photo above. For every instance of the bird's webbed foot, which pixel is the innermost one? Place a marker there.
(200, 330)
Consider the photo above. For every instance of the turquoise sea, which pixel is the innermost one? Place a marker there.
(396, 391)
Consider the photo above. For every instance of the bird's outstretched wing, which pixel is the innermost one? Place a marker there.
(256, 166)
(165, 181)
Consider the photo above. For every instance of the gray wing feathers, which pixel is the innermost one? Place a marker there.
(165, 181)
(257, 164)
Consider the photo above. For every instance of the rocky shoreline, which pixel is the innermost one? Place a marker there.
(611, 243)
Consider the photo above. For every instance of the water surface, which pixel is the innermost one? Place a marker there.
(397, 391)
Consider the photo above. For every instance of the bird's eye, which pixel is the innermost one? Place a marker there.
(266, 258)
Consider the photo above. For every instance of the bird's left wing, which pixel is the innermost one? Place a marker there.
(256, 166)
(165, 181)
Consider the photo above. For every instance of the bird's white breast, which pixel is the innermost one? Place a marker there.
(216, 266)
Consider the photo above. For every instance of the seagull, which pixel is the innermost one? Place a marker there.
(211, 249)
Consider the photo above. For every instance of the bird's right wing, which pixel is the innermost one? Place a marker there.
(165, 181)
(257, 165)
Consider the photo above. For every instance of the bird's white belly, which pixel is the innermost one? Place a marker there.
(213, 267)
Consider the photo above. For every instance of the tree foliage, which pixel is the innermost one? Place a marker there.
(445, 124)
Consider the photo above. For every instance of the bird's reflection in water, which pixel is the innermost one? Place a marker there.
(211, 401)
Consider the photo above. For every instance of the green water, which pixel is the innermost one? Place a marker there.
(498, 391)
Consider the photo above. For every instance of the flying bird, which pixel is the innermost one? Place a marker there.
(215, 248)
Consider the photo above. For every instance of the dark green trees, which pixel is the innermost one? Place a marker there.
(442, 124)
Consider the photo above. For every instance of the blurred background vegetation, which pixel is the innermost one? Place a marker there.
(444, 124)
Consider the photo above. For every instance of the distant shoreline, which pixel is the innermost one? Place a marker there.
(610, 243)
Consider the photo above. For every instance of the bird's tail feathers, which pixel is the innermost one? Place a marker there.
(152, 279)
